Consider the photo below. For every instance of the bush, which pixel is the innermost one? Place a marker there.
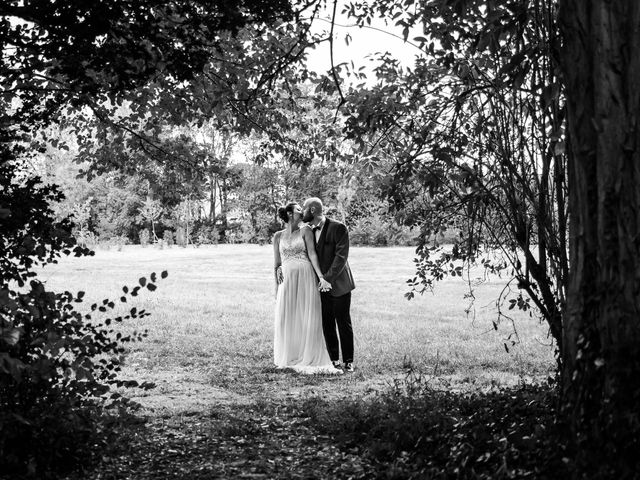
(414, 431)
(245, 233)
(256, 229)
(181, 237)
(116, 241)
(206, 233)
(56, 363)
(379, 231)
(144, 237)
(119, 241)
(167, 236)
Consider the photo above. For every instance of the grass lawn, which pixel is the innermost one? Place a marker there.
(221, 410)
(210, 332)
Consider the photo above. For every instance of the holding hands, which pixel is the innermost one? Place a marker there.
(323, 285)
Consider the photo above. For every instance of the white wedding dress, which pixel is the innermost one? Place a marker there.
(298, 340)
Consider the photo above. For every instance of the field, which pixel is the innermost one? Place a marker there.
(211, 330)
(221, 410)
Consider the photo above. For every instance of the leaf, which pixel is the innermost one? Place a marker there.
(10, 336)
(142, 281)
(164, 274)
(151, 287)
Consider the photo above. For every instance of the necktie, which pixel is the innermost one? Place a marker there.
(314, 229)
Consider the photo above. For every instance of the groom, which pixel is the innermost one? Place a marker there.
(332, 246)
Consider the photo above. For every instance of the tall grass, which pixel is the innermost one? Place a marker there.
(211, 327)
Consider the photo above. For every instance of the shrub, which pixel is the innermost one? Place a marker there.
(56, 364)
(359, 232)
(414, 431)
(245, 233)
(181, 237)
(379, 231)
(258, 228)
(120, 241)
(167, 236)
(144, 237)
(206, 233)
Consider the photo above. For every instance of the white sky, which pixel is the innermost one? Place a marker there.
(364, 41)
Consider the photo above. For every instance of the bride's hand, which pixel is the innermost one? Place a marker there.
(279, 275)
(323, 285)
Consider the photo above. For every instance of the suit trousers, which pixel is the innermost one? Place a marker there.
(335, 311)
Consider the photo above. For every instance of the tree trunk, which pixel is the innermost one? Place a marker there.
(224, 207)
(213, 181)
(601, 351)
(188, 218)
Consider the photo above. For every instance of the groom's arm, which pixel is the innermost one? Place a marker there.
(341, 253)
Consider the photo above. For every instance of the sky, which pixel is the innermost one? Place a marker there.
(364, 41)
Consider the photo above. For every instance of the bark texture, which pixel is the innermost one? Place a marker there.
(601, 348)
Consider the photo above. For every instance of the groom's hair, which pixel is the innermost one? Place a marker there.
(316, 203)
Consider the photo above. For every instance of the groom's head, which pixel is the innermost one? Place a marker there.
(312, 208)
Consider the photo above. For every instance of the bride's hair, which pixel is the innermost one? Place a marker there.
(283, 212)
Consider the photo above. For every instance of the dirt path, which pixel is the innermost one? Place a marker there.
(189, 427)
(228, 442)
(226, 423)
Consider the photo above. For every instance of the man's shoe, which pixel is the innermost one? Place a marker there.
(336, 366)
(348, 367)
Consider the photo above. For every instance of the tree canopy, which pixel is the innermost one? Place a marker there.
(515, 128)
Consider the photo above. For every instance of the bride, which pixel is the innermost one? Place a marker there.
(298, 342)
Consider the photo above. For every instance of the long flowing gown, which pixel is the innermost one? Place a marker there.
(298, 341)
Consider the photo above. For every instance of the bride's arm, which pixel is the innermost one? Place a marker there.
(277, 261)
(307, 235)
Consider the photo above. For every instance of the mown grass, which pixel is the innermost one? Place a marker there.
(221, 410)
(211, 330)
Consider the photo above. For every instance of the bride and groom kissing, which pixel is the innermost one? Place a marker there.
(313, 296)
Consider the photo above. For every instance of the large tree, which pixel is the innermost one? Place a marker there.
(509, 91)
(601, 60)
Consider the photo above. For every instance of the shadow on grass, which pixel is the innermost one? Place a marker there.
(413, 431)
(407, 431)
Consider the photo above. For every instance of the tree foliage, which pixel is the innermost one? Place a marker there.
(56, 54)
(56, 362)
(491, 135)
(94, 59)
(475, 134)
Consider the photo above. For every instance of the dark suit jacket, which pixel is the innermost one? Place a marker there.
(333, 250)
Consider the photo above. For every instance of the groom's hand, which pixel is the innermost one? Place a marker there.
(323, 285)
